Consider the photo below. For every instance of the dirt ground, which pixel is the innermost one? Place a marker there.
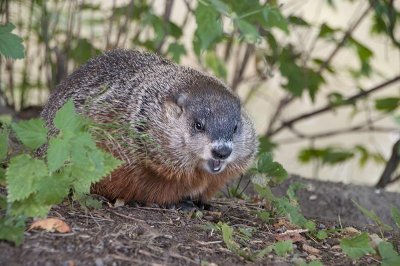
(130, 235)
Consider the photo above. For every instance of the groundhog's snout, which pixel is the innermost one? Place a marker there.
(221, 152)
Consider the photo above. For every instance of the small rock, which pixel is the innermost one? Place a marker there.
(313, 197)
(98, 262)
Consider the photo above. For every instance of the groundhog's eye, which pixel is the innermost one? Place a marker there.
(198, 126)
(235, 129)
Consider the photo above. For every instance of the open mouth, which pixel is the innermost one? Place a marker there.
(215, 165)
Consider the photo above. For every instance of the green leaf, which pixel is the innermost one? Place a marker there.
(364, 55)
(321, 235)
(396, 216)
(389, 256)
(292, 211)
(22, 175)
(3, 144)
(29, 207)
(176, 50)
(267, 166)
(220, 6)
(53, 189)
(329, 155)
(66, 118)
(248, 31)
(2, 176)
(209, 27)
(357, 246)
(327, 31)
(299, 78)
(110, 163)
(12, 229)
(274, 18)
(87, 201)
(387, 104)
(371, 215)
(82, 50)
(10, 44)
(266, 145)
(57, 153)
(264, 216)
(282, 248)
(216, 65)
(292, 190)
(298, 21)
(32, 133)
(227, 235)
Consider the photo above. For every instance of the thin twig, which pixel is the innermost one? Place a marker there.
(329, 107)
(242, 66)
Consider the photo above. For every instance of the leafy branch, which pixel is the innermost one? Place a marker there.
(329, 107)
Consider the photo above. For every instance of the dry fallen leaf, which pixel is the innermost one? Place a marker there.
(293, 235)
(311, 250)
(350, 231)
(51, 224)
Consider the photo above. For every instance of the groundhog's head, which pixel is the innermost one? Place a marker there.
(208, 129)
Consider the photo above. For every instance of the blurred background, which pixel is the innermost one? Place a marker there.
(320, 79)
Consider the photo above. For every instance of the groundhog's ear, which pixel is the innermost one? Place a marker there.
(176, 104)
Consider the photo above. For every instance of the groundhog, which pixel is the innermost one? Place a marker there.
(181, 133)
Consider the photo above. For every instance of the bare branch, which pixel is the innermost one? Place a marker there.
(356, 129)
(166, 17)
(329, 107)
(241, 66)
(390, 167)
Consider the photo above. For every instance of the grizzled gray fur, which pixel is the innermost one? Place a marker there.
(198, 136)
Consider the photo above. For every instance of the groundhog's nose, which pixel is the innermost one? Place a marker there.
(221, 152)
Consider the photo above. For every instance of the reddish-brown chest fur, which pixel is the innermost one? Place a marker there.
(144, 185)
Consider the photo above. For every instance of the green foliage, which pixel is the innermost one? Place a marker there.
(269, 172)
(31, 133)
(73, 163)
(396, 216)
(177, 51)
(387, 104)
(10, 44)
(209, 28)
(3, 143)
(299, 78)
(83, 50)
(216, 65)
(282, 248)
(272, 170)
(22, 176)
(389, 256)
(12, 229)
(266, 145)
(357, 246)
(334, 155)
(228, 237)
(328, 155)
